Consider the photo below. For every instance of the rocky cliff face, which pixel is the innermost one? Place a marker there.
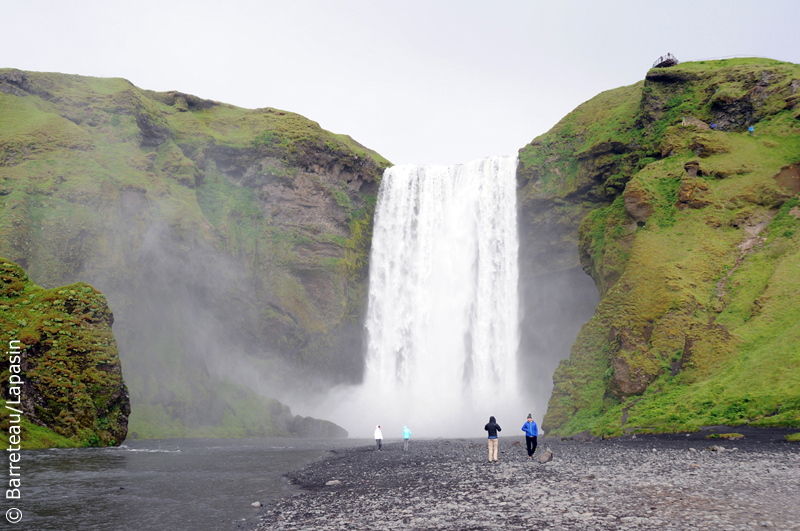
(231, 243)
(60, 367)
(690, 233)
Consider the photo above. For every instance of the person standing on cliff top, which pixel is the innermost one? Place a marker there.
(406, 437)
(531, 433)
(378, 437)
(492, 427)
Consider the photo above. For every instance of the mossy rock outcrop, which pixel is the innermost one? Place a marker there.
(64, 353)
(232, 243)
(692, 236)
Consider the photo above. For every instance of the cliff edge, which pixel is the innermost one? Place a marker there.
(688, 222)
(232, 243)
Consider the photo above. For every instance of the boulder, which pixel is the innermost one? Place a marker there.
(693, 193)
(629, 378)
(638, 202)
(304, 427)
(692, 168)
(546, 456)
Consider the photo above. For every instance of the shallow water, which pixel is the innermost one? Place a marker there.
(172, 484)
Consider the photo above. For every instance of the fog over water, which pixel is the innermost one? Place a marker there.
(442, 324)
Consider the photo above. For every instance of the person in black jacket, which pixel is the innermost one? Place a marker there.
(492, 427)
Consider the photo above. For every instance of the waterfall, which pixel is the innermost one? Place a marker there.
(442, 320)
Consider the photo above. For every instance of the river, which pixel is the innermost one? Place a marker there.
(171, 484)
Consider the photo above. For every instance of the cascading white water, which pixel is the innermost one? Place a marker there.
(442, 321)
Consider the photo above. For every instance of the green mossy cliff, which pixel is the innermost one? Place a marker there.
(232, 244)
(72, 393)
(692, 236)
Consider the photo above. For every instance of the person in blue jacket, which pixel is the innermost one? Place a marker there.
(406, 437)
(531, 432)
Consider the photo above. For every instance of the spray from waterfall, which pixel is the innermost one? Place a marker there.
(442, 321)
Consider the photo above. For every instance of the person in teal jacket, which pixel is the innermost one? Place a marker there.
(531, 433)
(406, 437)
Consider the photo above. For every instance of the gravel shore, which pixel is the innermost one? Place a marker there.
(646, 482)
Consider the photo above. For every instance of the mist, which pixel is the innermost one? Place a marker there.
(428, 326)
(432, 351)
(555, 307)
(237, 277)
(442, 322)
(189, 323)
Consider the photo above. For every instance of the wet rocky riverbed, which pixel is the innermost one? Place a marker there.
(649, 482)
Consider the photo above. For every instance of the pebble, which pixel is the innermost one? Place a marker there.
(588, 485)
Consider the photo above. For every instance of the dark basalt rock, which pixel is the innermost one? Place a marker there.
(153, 133)
(308, 427)
(304, 427)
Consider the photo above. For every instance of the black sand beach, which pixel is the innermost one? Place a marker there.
(645, 482)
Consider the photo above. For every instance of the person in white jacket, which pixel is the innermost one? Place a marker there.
(378, 437)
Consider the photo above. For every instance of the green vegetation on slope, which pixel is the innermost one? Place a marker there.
(692, 239)
(72, 390)
(225, 239)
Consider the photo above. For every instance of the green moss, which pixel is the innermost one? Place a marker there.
(731, 436)
(794, 437)
(245, 414)
(109, 183)
(73, 382)
(727, 93)
(342, 199)
(698, 313)
(36, 437)
(608, 117)
(603, 243)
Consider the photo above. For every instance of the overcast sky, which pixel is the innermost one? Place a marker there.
(417, 81)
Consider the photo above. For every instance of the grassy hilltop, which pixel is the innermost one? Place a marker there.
(231, 243)
(692, 236)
